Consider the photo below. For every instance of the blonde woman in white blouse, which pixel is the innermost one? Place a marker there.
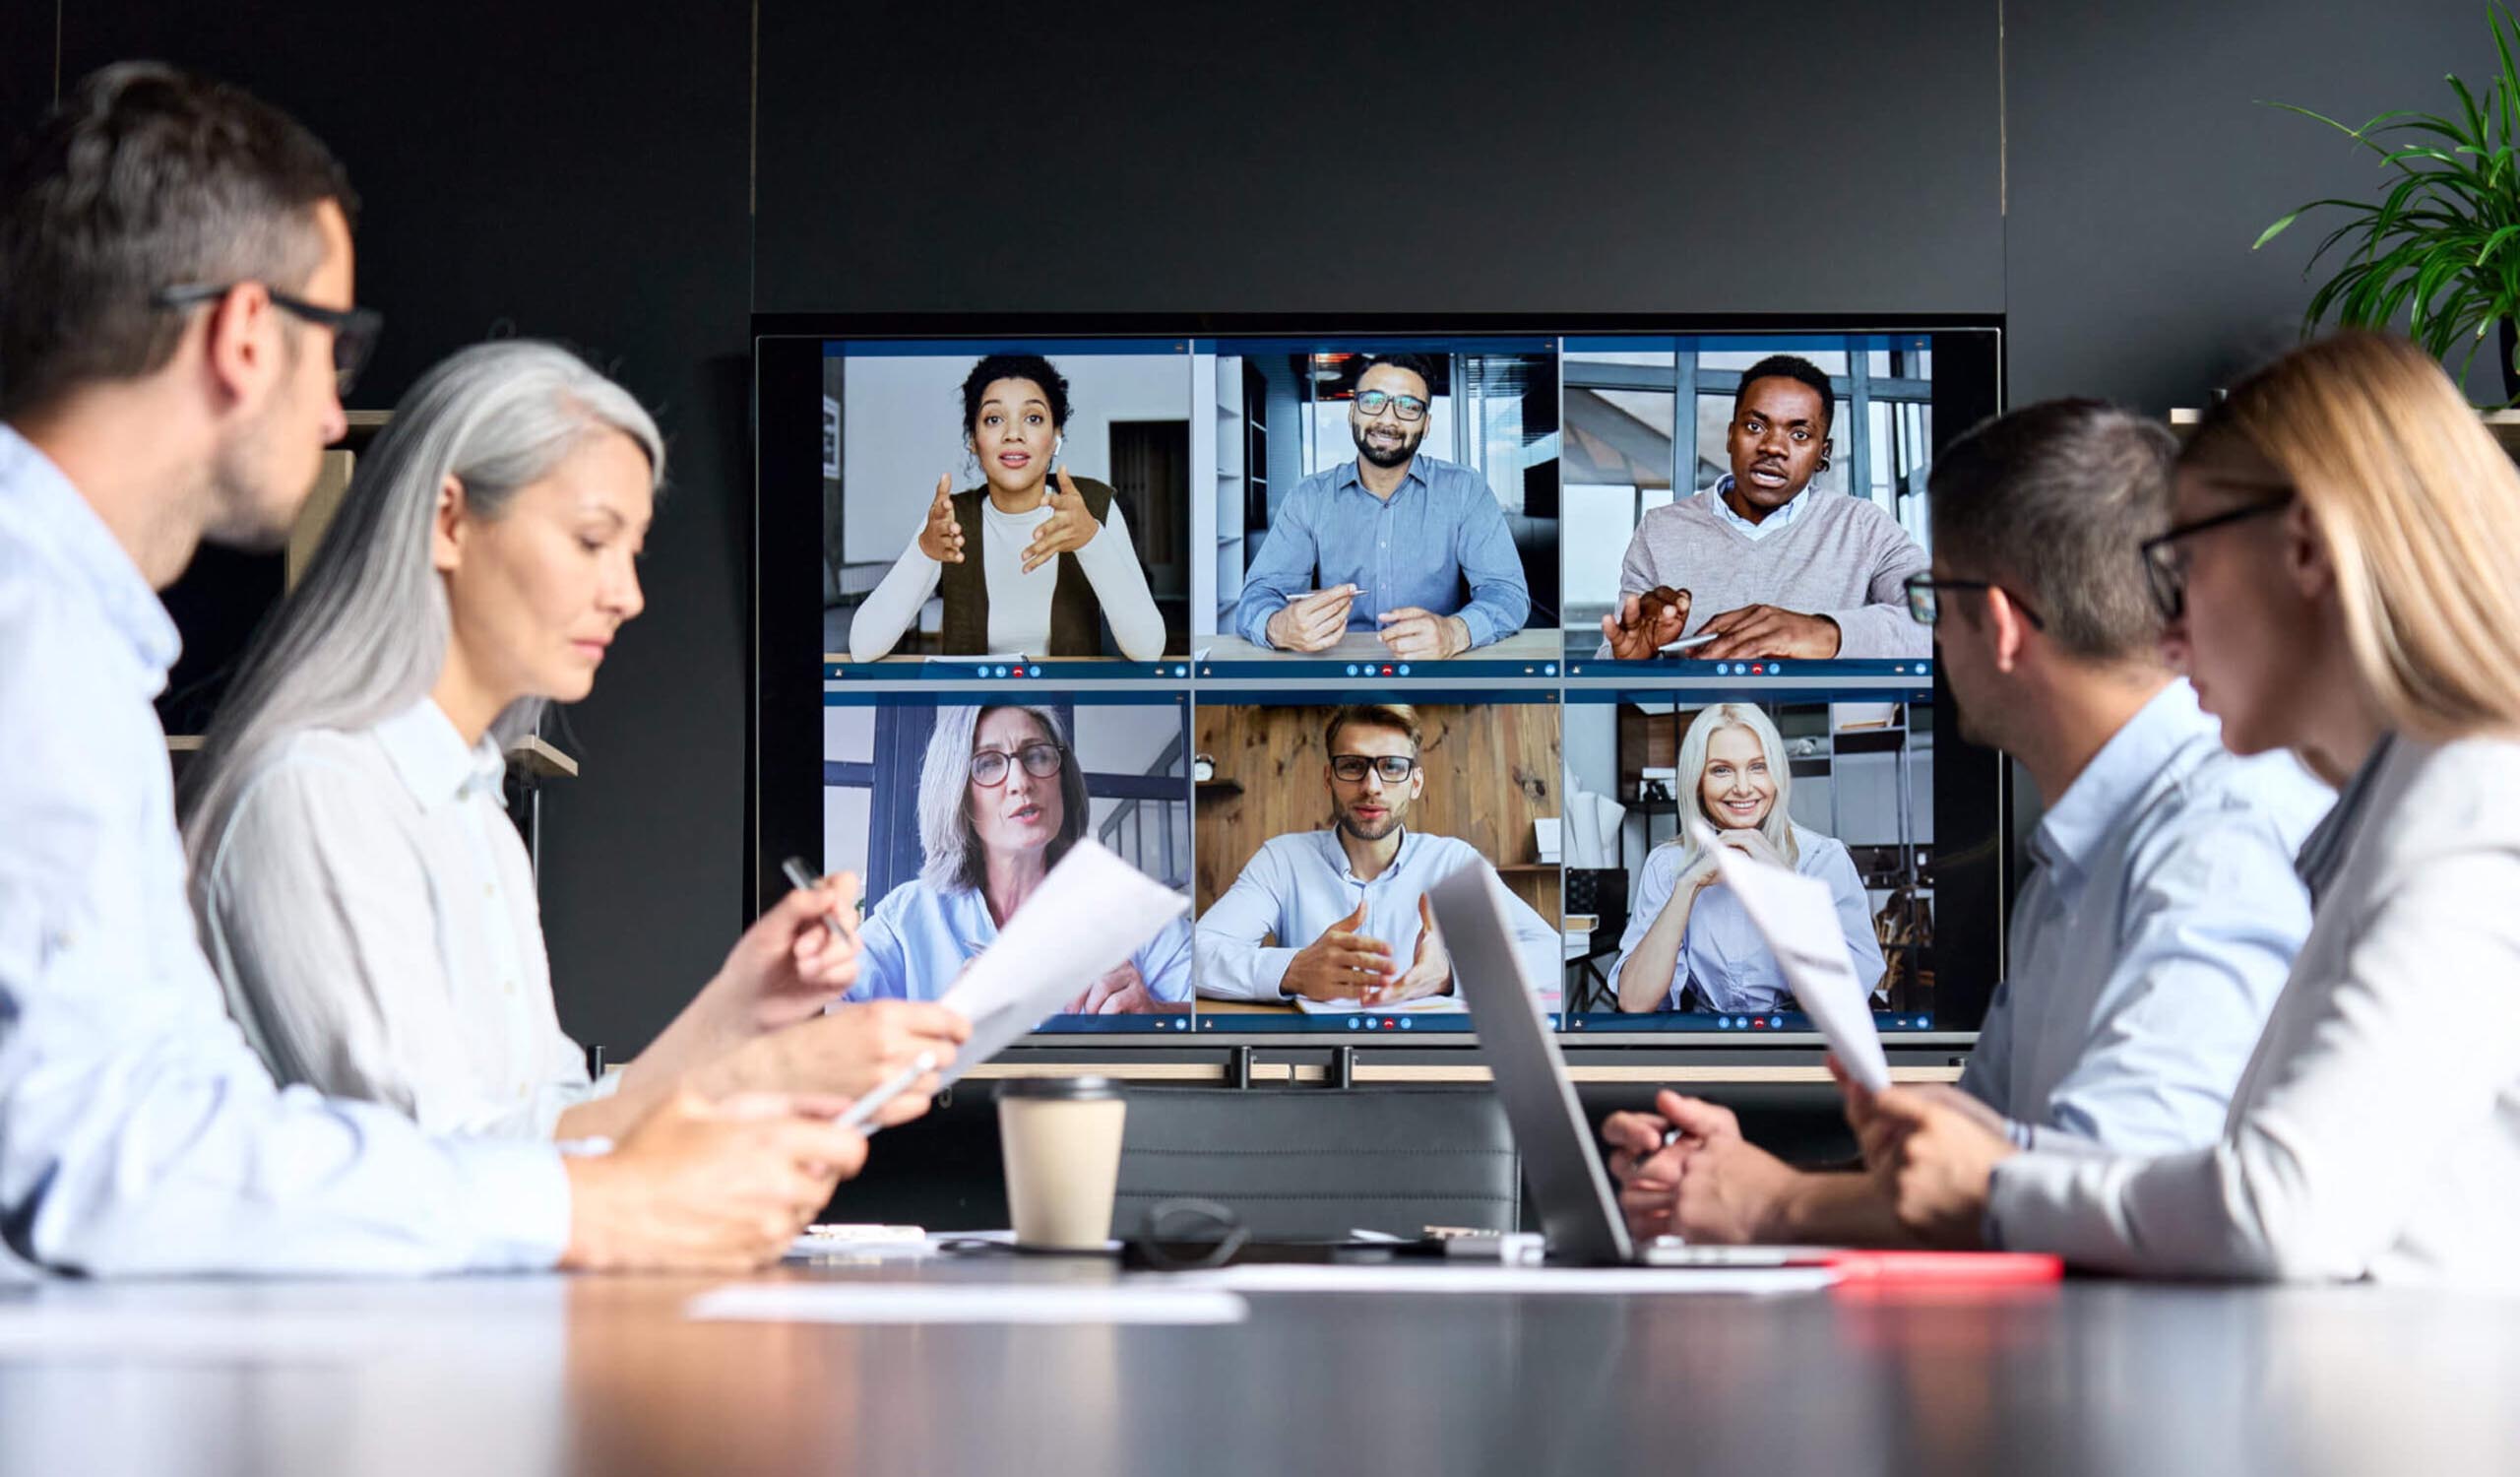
(2343, 578)
(370, 910)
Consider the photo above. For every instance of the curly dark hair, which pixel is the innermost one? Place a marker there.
(997, 366)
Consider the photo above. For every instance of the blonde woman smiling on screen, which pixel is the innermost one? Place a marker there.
(2342, 579)
(1689, 945)
(1030, 561)
(370, 910)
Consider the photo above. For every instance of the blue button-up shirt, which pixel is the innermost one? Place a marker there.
(1298, 885)
(2150, 942)
(1439, 531)
(138, 1132)
(1723, 954)
(915, 944)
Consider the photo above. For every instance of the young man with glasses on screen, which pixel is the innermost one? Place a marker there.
(2163, 910)
(177, 328)
(1388, 543)
(1348, 906)
(1773, 568)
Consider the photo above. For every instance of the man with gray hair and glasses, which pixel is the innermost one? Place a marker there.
(2162, 912)
(176, 330)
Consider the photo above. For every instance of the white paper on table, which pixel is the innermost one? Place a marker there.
(1086, 919)
(1400, 1277)
(1425, 1005)
(1799, 919)
(1151, 1300)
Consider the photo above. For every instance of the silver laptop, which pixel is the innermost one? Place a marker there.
(1579, 1214)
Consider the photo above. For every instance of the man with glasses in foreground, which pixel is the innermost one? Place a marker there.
(1348, 906)
(1396, 541)
(175, 329)
(2163, 913)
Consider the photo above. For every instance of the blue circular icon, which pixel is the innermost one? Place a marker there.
(1405, 1023)
(1724, 1023)
(1351, 669)
(1551, 670)
(1776, 1023)
(1180, 672)
(1352, 1023)
(1404, 669)
(1776, 669)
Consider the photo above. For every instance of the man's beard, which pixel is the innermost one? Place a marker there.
(1396, 457)
(243, 513)
(1390, 823)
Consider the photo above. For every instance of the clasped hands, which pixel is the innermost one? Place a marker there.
(1342, 964)
(1930, 1153)
(1314, 623)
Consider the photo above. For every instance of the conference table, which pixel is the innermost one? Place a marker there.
(548, 1374)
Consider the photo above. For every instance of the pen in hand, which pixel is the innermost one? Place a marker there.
(842, 925)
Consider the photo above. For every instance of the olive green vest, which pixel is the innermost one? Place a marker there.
(1076, 616)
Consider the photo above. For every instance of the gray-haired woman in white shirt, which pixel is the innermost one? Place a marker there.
(370, 912)
(2343, 579)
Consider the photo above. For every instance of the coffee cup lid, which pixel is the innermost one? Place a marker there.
(1085, 1089)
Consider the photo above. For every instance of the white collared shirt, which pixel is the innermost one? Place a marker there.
(1778, 520)
(138, 1133)
(371, 914)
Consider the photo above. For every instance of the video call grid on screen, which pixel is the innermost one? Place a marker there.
(1584, 465)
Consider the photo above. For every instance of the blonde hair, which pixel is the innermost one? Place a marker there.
(1777, 826)
(2420, 510)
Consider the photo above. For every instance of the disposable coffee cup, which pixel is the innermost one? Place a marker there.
(1061, 1137)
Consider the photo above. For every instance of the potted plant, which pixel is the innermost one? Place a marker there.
(2442, 246)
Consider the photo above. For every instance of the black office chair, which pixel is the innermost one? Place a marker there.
(1305, 1162)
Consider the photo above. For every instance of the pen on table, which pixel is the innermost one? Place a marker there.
(860, 1114)
(803, 876)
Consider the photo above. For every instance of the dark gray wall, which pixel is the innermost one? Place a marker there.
(581, 170)
(557, 170)
(2141, 169)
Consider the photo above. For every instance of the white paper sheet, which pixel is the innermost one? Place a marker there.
(1136, 1301)
(1086, 919)
(1425, 1005)
(1798, 919)
(1402, 1277)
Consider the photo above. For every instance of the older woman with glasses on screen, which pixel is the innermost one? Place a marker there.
(1001, 798)
(2342, 579)
(1689, 946)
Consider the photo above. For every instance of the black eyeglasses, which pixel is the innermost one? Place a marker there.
(2165, 563)
(1040, 760)
(1406, 407)
(1395, 769)
(1925, 607)
(354, 330)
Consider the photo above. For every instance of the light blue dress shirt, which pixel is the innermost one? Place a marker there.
(138, 1132)
(1440, 530)
(1296, 885)
(1722, 953)
(915, 944)
(1781, 519)
(2150, 942)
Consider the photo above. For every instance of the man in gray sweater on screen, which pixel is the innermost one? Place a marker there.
(1761, 562)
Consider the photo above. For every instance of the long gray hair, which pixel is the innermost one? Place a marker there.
(955, 861)
(365, 632)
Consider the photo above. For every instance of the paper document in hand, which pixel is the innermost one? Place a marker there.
(1799, 919)
(1086, 919)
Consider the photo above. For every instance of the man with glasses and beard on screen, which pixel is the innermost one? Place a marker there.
(1348, 906)
(1395, 542)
